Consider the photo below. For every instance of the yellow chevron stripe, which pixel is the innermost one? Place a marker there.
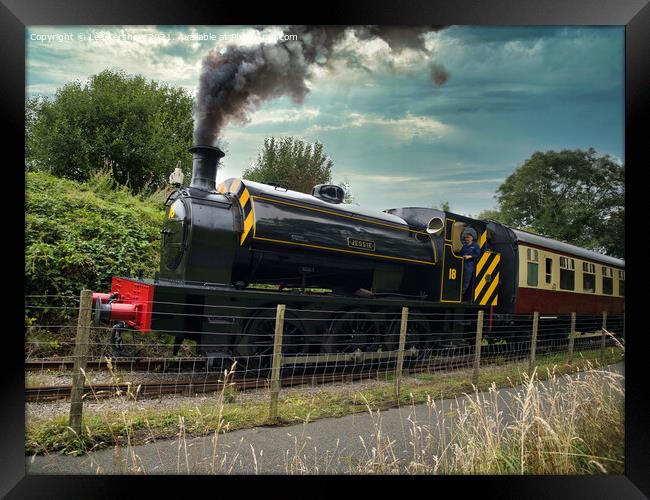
(245, 196)
(480, 286)
(493, 285)
(248, 224)
(495, 262)
(482, 261)
(483, 239)
(234, 187)
(496, 300)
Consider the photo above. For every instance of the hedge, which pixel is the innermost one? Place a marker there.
(79, 235)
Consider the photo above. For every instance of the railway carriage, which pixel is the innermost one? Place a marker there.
(230, 253)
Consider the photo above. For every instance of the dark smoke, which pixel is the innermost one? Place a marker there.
(239, 80)
(439, 75)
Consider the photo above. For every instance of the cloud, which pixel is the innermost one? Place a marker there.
(386, 179)
(285, 115)
(422, 182)
(512, 91)
(404, 128)
(157, 53)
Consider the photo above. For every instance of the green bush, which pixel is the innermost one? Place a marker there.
(136, 127)
(80, 235)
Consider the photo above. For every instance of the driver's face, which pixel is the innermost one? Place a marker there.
(468, 239)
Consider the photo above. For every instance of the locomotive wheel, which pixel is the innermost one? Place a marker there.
(352, 330)
(255, 347)
(418, 332)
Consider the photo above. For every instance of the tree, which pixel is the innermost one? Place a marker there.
(492, 215)
(137, 129)
(444, 206)
(348, 197)
(291, 162)
(571, 195)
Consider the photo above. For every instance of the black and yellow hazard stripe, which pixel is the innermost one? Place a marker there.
(482, 239)
(487, 279)
(237, 188)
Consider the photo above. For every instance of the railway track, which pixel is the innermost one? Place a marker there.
(192, 387)
(149, 365)
(211, 382)
(49, 393)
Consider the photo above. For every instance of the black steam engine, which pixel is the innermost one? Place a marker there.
(232, 252)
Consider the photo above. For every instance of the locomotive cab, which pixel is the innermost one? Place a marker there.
(448, 230)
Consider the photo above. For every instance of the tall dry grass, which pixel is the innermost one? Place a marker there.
(565, 425)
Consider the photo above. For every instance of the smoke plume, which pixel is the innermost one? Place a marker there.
(439, 75)
(238, 80)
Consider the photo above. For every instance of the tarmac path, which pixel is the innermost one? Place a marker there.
(326, 446)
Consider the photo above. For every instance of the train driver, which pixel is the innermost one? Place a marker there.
(470, 253)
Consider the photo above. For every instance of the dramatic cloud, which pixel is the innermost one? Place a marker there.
(372, 98)
(236, 81)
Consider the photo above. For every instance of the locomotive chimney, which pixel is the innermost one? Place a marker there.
(205, 160)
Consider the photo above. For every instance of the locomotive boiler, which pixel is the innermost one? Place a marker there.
(245, 232)
(231, 252)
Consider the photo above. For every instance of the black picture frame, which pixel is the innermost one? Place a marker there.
(15, 15)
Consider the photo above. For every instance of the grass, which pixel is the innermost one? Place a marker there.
(224, 413)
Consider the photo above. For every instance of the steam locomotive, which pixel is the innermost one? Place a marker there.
(338, 267)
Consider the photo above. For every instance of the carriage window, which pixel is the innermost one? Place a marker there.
(621, 283)
(567, 273)
(532, 274)
(588, 277)
(549, 269)
(608, 281)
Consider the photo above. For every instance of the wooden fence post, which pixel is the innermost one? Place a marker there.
(572, 335)
(403, 328)
(533, 342)
(277, 362)
(602, 340)
(80, 360)
(477, 347)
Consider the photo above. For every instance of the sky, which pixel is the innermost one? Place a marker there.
(393, 135)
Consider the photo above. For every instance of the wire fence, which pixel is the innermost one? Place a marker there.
(269, 348)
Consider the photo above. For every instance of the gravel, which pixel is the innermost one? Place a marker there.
(53, 409)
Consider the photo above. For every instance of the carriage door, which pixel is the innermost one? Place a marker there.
(487, 275)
